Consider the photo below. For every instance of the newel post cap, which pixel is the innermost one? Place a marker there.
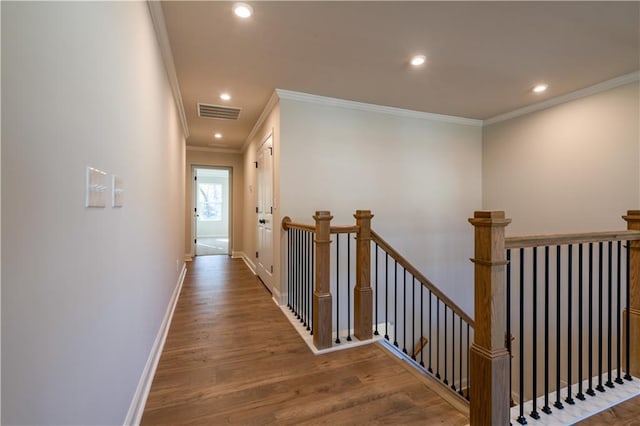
(489, 218)
(363, 214)
(322, 215)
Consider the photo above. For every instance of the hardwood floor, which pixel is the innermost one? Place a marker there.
(625, 414)
(231, 357)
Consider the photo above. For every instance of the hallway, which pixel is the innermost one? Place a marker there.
(232, 357)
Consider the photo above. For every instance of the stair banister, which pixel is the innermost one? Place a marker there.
(322, 301)
(362, 293)
(489, 357)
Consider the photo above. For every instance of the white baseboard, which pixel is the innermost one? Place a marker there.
(188, 257)
(134, 415)
(242, 255)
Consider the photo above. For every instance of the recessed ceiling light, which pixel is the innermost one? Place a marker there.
(418, 60)
(225, 96)
(218, 135)
(540, 88)
(242, 10)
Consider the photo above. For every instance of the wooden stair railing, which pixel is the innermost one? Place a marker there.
(420, 321)
(490, 357)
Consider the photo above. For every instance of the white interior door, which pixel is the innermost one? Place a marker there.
(264, 252)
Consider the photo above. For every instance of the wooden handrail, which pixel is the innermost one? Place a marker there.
(344, 229)
(287, 224)
(420, 277)
(563, 239)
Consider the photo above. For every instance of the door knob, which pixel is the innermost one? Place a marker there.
(262, 221)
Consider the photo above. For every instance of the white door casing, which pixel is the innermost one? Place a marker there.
(264, 213)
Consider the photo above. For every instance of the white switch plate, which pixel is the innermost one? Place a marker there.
(96, 188)
(117, 192)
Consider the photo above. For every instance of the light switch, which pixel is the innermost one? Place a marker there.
(117, 196)
(96, 188)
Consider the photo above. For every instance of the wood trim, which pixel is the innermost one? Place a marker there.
(322, 301)
(581, 93)
(563, 239)
(287, 224)
(160, 27)
(362, 292)
(344, 229)
(136, 408)
(380, 109)
(420, 277)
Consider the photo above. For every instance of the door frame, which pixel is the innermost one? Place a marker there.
(269, 136)
(194, 204)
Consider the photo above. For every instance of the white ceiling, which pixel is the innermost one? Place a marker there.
(483, 58)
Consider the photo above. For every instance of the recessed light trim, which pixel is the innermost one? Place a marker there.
(225, 96)
(418, 60)
(218, 135)
(242, 10)
(539, 88)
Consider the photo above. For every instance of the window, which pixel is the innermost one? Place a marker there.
(210, 201)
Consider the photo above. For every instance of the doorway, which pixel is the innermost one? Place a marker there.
(212, 210)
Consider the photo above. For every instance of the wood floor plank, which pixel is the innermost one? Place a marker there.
(231, 357)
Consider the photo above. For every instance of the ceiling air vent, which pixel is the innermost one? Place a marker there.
(218, 111)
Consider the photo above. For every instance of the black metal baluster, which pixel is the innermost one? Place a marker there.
(534, 411)
(619, 315)
(296, 308)
(521, 419)
(580, 395)
(467, 352)
(395, 304)
(413, 319)
(404, 311)
(569, 399)
(289, 266)
(446, 382)
(590, 390)
(600, 388)
(508, 337)
(305, 265)
(438, 337)
(386, 295)
(453, 350)
(422, 325)
(460, 357)
(546, 409)
(609, 382)
(627, 375)
(337, 288)
(375, 333)
(558, 404)
(430, 343)
(348, 287)
(310, 283)
(313, 278)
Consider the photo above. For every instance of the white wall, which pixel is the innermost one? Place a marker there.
(217, 159)
(84, 290)
(421, 178)
(570, 168)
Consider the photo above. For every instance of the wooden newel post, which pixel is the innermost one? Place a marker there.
(633, 224)
(362, 293)
(322, 305)
(489, 359)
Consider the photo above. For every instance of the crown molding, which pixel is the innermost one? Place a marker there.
(581, 93)
(157, 17)
(215, 150)
(323, 100)
(271, 103)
